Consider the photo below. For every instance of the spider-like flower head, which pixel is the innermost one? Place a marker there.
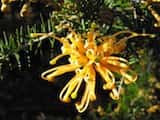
(86, 58)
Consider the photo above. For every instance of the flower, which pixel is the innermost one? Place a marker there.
(86, 58)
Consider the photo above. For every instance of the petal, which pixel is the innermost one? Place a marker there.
(56, 71)
(80, 44)
(72, 87)
(109, 86)
(106, 47)
(35, 35)
(54, 60)
(119, 46)
(129, 76)
(117, 58)
(106, 74)
(91, 73)
(121, 32)
(108, 39)
(115, 64)
(91, 36)
(67, 91)
(114, 94)
(112, 68)
(76, 40)
(90, 43)
(62, 40)
(78, 59)
(117, 61)
(89, 95)
(83, 104)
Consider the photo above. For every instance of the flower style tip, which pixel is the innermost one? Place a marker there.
(89, 95)
(70, 91)
(115, 95)
(129, 76)
(109, 86)
(54, 60)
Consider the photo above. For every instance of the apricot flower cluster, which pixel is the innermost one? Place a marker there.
(90, 54)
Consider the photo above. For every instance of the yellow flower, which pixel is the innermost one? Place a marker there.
(86, 57)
